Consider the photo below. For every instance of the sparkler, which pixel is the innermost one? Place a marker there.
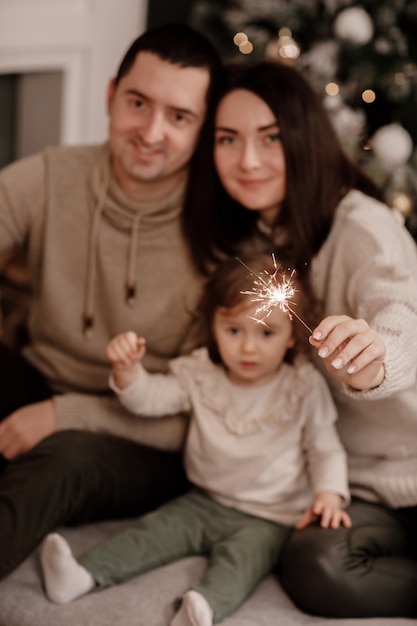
(273, 290)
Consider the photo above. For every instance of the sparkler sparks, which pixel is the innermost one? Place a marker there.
(273, 290)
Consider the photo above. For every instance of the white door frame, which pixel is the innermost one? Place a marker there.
(84, 39)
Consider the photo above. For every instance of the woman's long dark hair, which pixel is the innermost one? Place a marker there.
(319, 173)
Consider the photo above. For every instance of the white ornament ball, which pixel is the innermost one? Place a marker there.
(354, 25)
(392, 145)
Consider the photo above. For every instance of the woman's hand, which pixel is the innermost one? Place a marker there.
(352, 351)
(327, 507)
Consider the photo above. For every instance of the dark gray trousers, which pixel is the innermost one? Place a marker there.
(72, 477)
(369, 570)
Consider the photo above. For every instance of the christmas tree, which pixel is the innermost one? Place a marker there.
(361, 59)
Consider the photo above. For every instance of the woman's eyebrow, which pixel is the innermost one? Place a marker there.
(269, 126)
(235, 132)
(226, 130)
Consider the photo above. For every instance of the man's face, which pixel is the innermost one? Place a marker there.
(156, 112)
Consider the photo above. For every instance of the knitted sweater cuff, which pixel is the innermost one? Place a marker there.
(105, 414)
(400, 369)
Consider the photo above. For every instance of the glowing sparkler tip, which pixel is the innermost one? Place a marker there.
(271, 290)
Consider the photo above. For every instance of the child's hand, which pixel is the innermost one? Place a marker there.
(352, 351)
(124, 353)
(328, 507)
(125, 349)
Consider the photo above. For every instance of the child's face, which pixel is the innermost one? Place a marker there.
(252, 352)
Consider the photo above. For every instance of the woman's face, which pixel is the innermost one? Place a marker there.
(248, 153)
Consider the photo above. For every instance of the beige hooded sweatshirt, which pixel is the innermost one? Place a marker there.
(99, 264)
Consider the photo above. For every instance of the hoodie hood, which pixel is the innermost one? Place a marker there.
(109, 202)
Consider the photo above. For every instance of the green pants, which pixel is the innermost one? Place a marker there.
(241, 548)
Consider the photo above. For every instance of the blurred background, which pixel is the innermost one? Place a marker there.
(56, 57)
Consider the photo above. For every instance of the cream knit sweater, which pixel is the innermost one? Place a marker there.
(367, 268)
(85, 241)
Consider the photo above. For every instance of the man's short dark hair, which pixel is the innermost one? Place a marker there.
(178, 44)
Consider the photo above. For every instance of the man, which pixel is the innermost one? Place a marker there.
(101, 226)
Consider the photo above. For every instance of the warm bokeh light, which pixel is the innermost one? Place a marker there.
(239, 39)
(368, 96)
(246, 48)
(402, 202)
(284, 49)
(332, 89)
(288, 49)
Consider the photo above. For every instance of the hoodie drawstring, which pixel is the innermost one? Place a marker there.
(131, 261)
(88, 315)
(130, 284)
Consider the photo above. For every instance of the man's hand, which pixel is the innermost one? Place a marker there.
(328, 508)
(26, 427)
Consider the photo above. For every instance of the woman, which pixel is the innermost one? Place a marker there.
(280, 180)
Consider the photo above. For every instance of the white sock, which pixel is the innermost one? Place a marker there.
(194, 611)
(65, 579)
